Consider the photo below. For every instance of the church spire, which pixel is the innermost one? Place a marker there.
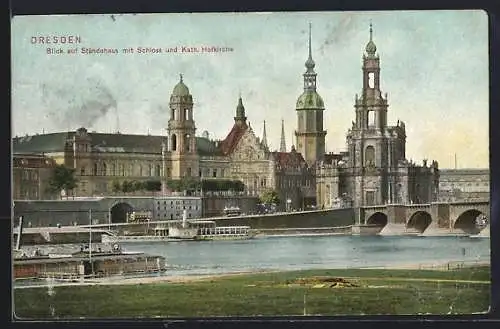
(371, 48)
(282, 142)
(264, 136)
(310, 75)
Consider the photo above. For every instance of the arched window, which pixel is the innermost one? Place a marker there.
(173, 115)
(371, 80)
(370, 156)
(82, 171)
(174, 142)
(371, 118)
(104, 169)
(94, 172)
(187, 139)
(157, 171)
(151, 170)
(186, 114)
(140, 170)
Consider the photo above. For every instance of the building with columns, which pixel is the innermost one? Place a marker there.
(374, 170)
(105, 160)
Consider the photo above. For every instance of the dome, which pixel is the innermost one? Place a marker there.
(310, 100)
(180, 89)
(371, 48)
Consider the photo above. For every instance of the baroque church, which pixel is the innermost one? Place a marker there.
(374, 169)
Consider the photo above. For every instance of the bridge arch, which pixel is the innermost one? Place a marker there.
(378, 219)
(419, 221)
(470, 221)
(119, 212)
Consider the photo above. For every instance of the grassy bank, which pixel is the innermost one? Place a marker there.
(313, 292)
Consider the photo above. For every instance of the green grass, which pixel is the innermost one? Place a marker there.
(396, 292)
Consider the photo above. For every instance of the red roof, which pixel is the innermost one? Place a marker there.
(289, 159)
(229, 143)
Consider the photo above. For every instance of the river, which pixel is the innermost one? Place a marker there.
(297, 253)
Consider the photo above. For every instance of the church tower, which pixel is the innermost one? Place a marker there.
(370, 140)
(310, 136)
(181, 133)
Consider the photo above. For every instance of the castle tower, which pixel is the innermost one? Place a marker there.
(310, 136)
(282, 141)
(181, 133)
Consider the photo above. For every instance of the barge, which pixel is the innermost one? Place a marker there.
(86, 263)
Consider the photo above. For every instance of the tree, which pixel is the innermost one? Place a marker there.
(127, 186)
(63, 178)
(152, 185)
(269, 197)
(117, 187)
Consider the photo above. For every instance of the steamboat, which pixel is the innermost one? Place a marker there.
(185, 230)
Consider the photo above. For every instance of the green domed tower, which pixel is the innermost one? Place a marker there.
(310, 134)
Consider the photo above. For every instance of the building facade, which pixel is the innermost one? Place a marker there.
(31, 174)
(374, 170)
(464, 185)
(103, 161)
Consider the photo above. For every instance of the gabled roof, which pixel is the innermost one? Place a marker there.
(229, 143)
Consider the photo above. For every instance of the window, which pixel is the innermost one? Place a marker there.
(174, 142)
(222, 173)
(371, 118)
(370, 156)
(140, 170)
(103, 169)
(113, 169)
(150, 171)
(157, 171)
(173, 114)
(130, 169)
(186, 114)
(82, 171)
(188, 172)
(122, 170)
(371, 80)
(187, 142)
(214, 173)
(94, 172)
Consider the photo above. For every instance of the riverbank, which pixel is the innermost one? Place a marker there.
(310, 292)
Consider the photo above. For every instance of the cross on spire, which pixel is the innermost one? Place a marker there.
(371, 30)
(180, 76)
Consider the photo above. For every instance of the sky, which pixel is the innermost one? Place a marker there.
(434, 68)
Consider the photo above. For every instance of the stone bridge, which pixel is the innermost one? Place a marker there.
(454, 217)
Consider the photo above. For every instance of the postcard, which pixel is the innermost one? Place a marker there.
(250, 164)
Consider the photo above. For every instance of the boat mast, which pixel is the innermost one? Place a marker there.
(19, 233)
(184, 218)
(90, 241)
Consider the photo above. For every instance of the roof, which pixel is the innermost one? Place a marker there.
(229, 143)
(310, 100)
(100, 142)
(289, 159)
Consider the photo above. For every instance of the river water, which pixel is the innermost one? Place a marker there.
(297, 253)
